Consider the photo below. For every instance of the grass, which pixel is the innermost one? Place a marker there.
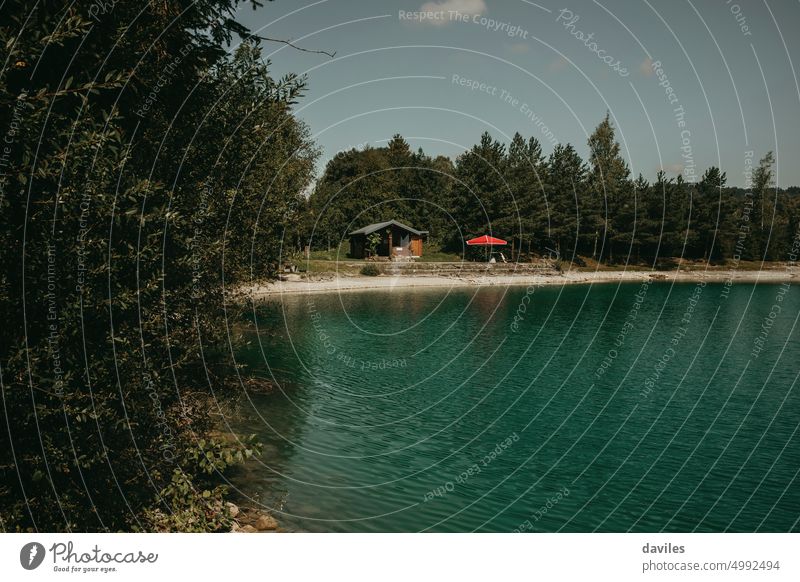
(672, 263)
(335, 253)
(343, 267)
(326, 262)
(432, 253)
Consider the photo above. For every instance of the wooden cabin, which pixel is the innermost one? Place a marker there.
(396, 240)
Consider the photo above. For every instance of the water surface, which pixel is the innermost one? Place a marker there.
(579, 408)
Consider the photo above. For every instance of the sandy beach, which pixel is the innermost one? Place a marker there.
(387, 282)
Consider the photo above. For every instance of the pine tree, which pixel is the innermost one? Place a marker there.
(481, 194)
(610, 187)
(523, 217)
(566, 201)
(709, 213)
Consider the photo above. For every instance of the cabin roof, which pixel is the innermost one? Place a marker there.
(380, 225)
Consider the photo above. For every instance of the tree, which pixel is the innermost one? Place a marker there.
(523, 216)
(355, 189)
(645, 219)
(263, 159)
(430, 189)
(709, 214)
(566, 202)
(481, 194)
(665, 211)
(610, 187)
(118, 215)
(376, 184)
(762, 204)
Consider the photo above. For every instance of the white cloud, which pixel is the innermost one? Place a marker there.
(463, 7)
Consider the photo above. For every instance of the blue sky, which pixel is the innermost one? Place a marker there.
(471, 66)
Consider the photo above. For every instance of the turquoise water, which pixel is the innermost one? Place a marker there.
(579, 408)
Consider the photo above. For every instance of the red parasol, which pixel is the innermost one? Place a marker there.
(486, 240)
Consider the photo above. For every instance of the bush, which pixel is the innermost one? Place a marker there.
(100, 351)
(370, 270)
(194, 501)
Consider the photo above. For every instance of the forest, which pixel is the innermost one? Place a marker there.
(557, 205)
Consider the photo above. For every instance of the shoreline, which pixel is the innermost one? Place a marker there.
(388, 283)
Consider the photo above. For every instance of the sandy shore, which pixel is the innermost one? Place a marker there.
(356, 283)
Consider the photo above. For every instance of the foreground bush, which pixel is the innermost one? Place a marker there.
(117, 205)
(370, 270)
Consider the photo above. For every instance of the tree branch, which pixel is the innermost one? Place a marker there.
(294, 46)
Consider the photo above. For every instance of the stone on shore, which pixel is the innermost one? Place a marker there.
(266, 523)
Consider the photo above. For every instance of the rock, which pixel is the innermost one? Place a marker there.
(233, 510)
(248, 529)
(235, 527)
(266, 522)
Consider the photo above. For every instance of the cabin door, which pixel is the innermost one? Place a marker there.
(405, 240)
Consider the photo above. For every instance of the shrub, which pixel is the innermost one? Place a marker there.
(370, 270)
(102, 328)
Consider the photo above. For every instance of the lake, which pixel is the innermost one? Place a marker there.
(634, 407)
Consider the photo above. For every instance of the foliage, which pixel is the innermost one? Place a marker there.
(481, 193)
(147, 168)
(558, 206)
(373, 241)
(610, 193)
(361, 187)
(196, 503)
(370, 270)
(191, 509)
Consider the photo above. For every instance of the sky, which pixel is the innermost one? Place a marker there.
(688, 84)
